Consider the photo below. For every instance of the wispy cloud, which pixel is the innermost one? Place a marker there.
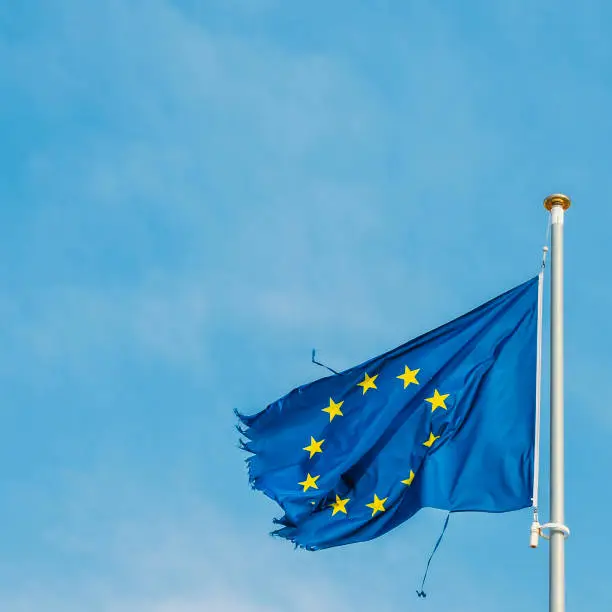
(143, 558)
(78, 326)
(187, 196)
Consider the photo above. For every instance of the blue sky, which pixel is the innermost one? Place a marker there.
(195, 194)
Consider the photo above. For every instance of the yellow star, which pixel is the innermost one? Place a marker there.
(310, 482)
(378, 505)
(432, 439)
(409, 376)
(368, 382)
(437, 401)
(314, 447)
(339, 505)
(409, 480)
(333, 409)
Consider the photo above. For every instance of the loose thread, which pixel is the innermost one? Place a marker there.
(421, 592)
(314, 352)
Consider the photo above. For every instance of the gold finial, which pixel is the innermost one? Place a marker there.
(557, 199)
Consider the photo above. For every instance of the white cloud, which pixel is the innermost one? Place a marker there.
(194, 560)
(79, 327)
(197, 181)
(204, 183)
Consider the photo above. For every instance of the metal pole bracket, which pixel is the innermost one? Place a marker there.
(552, 527)
(539, 531)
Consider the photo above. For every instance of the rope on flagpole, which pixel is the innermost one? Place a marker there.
(535, 531)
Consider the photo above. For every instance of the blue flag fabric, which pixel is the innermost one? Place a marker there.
(444, 421)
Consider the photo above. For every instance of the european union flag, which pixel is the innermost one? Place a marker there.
(444, 421)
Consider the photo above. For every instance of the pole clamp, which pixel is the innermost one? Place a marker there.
(538, 531)
(552, 527)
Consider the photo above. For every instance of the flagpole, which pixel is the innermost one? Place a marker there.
(557, 204)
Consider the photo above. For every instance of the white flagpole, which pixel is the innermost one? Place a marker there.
(557, 204)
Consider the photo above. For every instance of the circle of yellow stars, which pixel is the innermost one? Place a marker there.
(334, 409)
